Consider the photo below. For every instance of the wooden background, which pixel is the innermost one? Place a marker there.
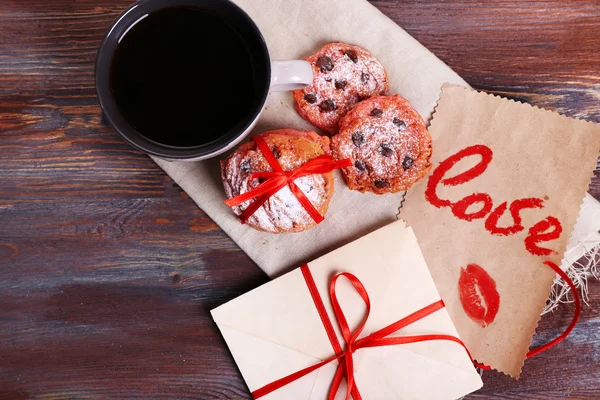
(108, 269)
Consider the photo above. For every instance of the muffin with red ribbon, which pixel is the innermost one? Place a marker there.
(281, 181)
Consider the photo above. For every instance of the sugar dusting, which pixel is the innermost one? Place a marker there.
(344, 69)
(381, 130)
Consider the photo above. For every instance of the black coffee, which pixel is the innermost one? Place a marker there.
(183, 76)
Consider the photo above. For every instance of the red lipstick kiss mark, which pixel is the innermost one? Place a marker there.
(478, 295)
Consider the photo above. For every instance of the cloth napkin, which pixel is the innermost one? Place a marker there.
(294, 30)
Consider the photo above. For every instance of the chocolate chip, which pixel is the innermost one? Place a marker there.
(275, 152)
(358, 139)
(360, 165)
(310, 98)
(380, 183)
(328, 105)
(245, 166)
(324, 63)
(364, 77)
(376, 112)
(385, 150)
(399, 123)
(341, 84)
(352, 55)
(327, 79)
(407, 162)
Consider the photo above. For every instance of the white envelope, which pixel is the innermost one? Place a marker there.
(275, 330)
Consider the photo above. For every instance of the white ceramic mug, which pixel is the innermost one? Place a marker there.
(272, 76)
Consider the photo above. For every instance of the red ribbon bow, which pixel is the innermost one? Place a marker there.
(278, 179)
(345, 357)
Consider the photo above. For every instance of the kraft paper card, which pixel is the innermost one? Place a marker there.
(506, 187)
(276, 330)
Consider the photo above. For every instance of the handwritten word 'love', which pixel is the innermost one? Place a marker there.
(545, 230)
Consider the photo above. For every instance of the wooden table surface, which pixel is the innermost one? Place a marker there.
(109, 269)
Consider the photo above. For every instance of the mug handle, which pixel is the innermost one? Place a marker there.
(290, 75)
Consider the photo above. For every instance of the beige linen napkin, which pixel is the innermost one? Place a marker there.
(294, 30)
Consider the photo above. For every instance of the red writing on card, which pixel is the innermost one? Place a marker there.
(478, 295)
(491, 223)
(480, 205)
(476, 288)
(538, 233)
(436, 178)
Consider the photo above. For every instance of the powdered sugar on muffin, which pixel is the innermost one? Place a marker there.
(282, 212)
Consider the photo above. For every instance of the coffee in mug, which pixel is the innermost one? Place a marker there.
(187, 79)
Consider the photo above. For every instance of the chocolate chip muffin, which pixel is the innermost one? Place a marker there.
(343, 76)
(388, 142)
(282, 212)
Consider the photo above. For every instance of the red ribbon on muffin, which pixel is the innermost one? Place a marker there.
(278, 179)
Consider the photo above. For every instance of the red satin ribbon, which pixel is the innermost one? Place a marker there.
(554, 342)
(278, 179)
(345, 367)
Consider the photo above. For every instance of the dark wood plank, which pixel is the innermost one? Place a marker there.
(109, 269)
